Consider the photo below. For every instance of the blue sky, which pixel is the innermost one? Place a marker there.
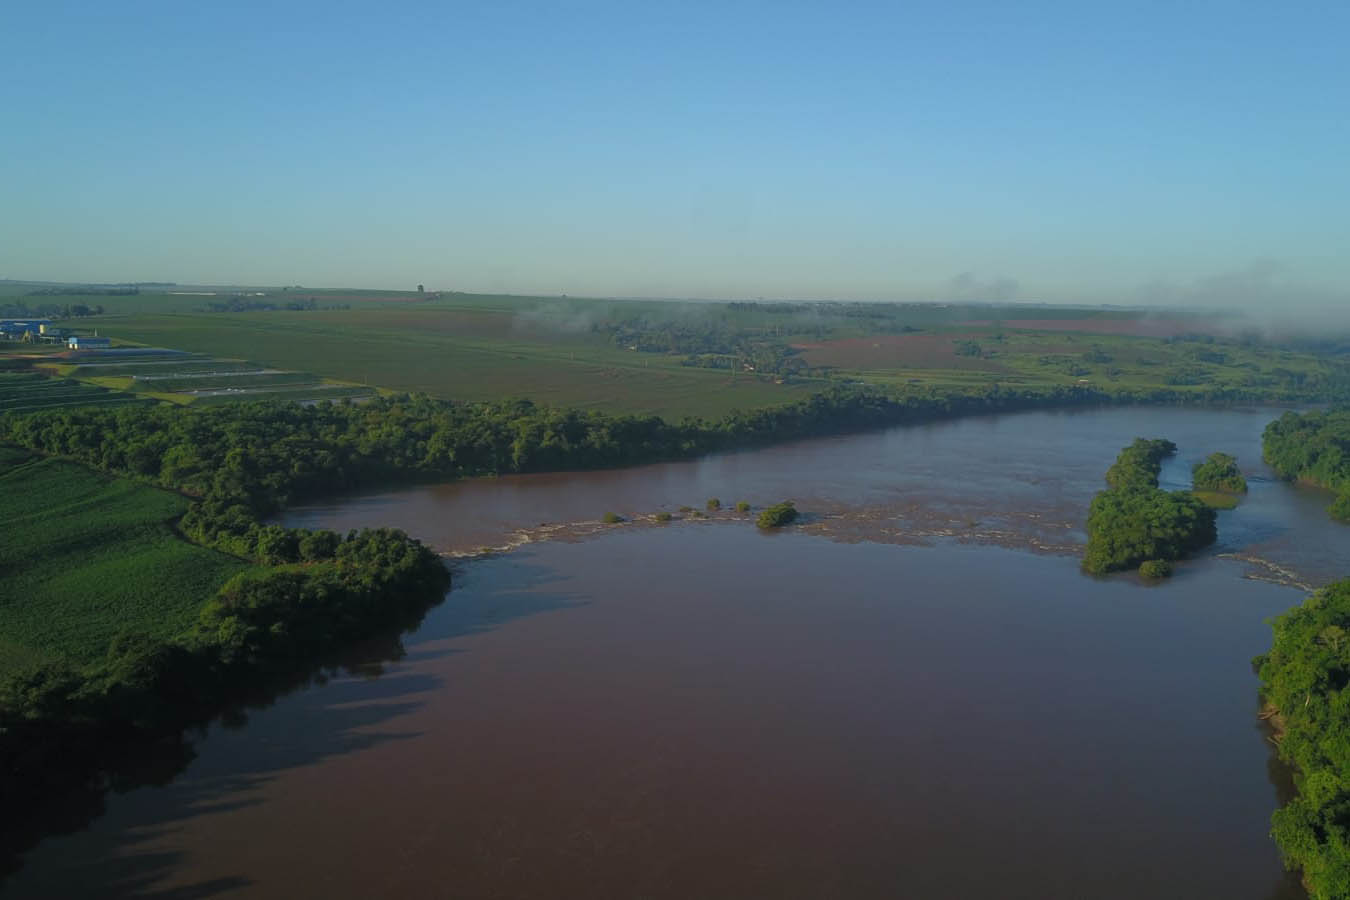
(1100, 152)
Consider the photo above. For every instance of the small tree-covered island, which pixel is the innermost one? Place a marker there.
(1218, 481)
(1134, 522)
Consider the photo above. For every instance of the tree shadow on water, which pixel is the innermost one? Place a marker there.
(224, 757)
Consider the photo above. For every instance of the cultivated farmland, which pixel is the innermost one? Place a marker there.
(108, 543)
(29, 392)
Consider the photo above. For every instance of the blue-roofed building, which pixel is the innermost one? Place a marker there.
(16, 328)
(82, 342)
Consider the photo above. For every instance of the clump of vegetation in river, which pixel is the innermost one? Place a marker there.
(1218, 499)
(743, 506)
(663, 516)
(1139, 464)
(1155, 568)
(1219, 473)
(777, 515)
(1134, 521)
(611, 518)
(1313, 447)
(1304, 684)
(714, 503)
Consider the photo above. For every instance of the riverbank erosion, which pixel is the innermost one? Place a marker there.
(1303, 683)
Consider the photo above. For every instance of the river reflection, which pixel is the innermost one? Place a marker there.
(703, 710)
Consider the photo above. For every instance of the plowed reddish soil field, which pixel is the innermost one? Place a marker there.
(897, 351)
(1144, 327)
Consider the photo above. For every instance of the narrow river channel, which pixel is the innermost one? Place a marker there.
(915, 693)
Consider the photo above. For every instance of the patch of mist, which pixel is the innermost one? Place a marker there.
(1261, 298)
(969, 288)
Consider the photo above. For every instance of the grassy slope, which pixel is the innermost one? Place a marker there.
(68, 534)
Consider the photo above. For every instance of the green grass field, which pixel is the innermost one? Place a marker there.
(84, 556)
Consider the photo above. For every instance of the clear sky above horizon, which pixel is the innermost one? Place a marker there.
(1125, 153)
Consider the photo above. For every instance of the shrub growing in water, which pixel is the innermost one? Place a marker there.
(1219, 473)
(663, 517)
(714, 503)
(777, 515)
(610, 518)
(743, 507)
(1155, 568)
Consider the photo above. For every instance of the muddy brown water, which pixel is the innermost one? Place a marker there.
(888, 701)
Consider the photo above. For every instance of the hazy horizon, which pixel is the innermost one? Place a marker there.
(1159, 157)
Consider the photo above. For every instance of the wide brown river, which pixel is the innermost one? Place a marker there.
(913, 694)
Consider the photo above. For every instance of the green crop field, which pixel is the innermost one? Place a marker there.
(84, 557)
(463, 355)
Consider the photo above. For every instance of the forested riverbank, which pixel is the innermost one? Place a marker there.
(1303, 681)
(1313, 447)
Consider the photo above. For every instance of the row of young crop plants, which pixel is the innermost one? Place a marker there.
(203, 379)
(27, 392)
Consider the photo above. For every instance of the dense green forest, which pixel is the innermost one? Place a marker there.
(1134, 521)
(1313, 447)
(1304, 681)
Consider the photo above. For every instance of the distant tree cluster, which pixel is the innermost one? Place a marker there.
(1313, 447)
(1134, 521)
(240, 303)
(130, 290)
(21, 310)
(713, 344)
